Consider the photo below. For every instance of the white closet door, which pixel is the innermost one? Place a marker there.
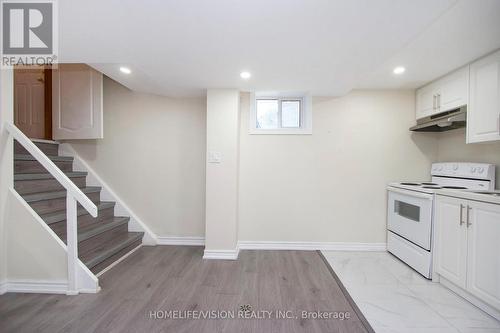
(77, 109)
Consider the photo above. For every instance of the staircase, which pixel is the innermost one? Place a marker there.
(101, 240)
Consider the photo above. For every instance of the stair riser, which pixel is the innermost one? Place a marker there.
(48, 148)
(44, 185)
(83, 221)
(99, 267)
(36, 167)
(101, 240)
(97, 251)
(52, 205)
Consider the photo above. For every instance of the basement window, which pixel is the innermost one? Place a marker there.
(280, 114)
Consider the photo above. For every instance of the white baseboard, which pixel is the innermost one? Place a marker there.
(180, 240)
(311, 246)
(3, 287)
(221, 254)
(34, 286)
(268, 245)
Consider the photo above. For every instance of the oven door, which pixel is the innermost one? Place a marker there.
(409, 214)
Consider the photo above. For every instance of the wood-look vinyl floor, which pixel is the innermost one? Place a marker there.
(165, 278)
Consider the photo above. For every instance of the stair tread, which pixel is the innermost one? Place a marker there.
(108, 236)
(98, 228)
(60, 215)
(25, 157)
(34, 197)
(101, 253)
(50, 142)
(37, 176)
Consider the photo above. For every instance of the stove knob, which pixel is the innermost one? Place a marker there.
(480, 170)
(473, 169)
(455, 167)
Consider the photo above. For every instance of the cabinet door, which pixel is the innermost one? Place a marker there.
(77, 102)
(453, 90)
(483, 261)
(426, 103)
(483, 114)
(451, 239)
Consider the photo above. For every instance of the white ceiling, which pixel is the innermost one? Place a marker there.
(325, 47)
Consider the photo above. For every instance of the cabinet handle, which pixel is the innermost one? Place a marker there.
(468, 216)
(438, 101)
(434, 102)
(461, 214)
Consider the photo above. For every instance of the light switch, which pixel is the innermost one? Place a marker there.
(214, 157)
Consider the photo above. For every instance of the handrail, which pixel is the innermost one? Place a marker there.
(61, 177)
(73, 195)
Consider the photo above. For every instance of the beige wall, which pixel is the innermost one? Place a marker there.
(223, 126)
(330, 186)
(153, 157)
(452, 147)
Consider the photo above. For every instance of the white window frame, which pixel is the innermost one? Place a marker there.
(305, 114)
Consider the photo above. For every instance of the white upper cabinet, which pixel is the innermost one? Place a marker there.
(448, 93)
(77, 102)
(426, 101)
(483, 114)
(453, 90)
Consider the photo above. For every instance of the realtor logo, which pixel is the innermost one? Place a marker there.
(28, 32)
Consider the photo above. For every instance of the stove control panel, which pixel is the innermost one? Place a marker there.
(464, 170)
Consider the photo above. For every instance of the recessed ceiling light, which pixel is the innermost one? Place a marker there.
(245, 75)
(399, 70)
(125, 70)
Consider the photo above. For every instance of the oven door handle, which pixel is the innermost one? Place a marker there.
(411, 193)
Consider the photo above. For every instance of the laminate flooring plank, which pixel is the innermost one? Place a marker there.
(170, 278)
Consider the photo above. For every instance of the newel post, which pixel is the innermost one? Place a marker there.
(72, 243)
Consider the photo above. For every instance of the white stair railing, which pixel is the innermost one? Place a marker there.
(73, 195)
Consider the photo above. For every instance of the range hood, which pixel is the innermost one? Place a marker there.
(441, 122)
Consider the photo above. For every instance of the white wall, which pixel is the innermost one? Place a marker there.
(452, 147)
(223, 126)
(330, 186)
(27, 251)
(6, 157)
(153, 157)
(33, 254)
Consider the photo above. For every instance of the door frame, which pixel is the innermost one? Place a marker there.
(47, 88)
(48, 102)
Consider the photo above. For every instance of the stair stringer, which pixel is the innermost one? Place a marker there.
(87, 281)
(107, 194)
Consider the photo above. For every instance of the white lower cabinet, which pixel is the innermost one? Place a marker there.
(451, 240)
(483, 255)
(467, 246)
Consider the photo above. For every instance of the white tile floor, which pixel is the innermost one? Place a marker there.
(394, 298)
